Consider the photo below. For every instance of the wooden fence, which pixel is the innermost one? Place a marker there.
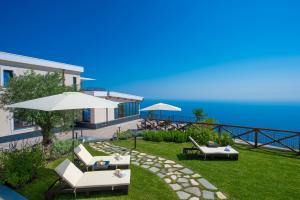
(254, 136)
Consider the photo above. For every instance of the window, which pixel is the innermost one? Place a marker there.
(19, 124)
(86, 115)
(75, 83)
(7, 75)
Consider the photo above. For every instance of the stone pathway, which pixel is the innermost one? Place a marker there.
(186, 183)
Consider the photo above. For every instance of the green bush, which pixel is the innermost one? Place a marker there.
(148, 135)
(226, 139)
(124, 135)
(180, 137)
(20, 166)
(157, 136)
(62, 147)
(168, 136)
(202, 135)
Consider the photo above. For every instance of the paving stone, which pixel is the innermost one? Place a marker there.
(206, 184)
(167, 180)
(159, 158)
(135, 163)
(161, 175)
(187, 184)
(182, 180)
(172, 169)
(220, 195)
(145, 166)
(175, 186)
(178, 166)
(194, 182)
(193, 190)
(208, 195)
(157, 165)
(186, 176)
(187, 171)
(148, 163)
(152, 157)
(194, 198)
(167, 166)
(183, 195)
(154, 169)
(142, 154)
(174, 177)
(169, 162)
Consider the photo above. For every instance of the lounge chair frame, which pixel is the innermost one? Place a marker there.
(64, 188)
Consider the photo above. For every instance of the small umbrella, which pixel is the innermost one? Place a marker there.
(161, 107)
(65, 101)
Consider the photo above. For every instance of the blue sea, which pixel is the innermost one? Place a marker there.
(267, 115)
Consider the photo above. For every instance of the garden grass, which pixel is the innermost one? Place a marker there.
(258, 174)
(144, 185)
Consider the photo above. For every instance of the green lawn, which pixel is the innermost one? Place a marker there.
(144, 185)
(258, 174)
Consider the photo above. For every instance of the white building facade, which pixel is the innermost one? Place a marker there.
(14, 65)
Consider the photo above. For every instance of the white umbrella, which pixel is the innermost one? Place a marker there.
(65, 101)
(161, 107)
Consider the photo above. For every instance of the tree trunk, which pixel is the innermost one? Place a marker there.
(47, 141)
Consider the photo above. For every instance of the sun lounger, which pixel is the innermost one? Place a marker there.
(74, 180)
(89, 161)
(211, 151)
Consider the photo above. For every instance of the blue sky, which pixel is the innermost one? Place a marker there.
(212, 50)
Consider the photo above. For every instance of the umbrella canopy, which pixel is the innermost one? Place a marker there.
(161, 107)
(65, 101)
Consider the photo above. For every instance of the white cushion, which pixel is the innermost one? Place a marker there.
(84, 155)
(124, 160)
(217, 150)
(69, 172)
(103, 178)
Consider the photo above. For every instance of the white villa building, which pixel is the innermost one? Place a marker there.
(15, 65)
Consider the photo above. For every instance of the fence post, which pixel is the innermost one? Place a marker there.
(299, 144)
(255, 137)
(219, 131)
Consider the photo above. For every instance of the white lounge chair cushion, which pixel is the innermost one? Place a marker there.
(69, 172)
(84, 155)
(89, 160)
(103, 178)
(217, 150)
(73, 176)
(123, 160)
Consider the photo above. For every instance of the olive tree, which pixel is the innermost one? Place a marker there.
(31, 86)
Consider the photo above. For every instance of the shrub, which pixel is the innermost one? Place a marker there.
(148, 135)
(168, 136)
(20, 166)
(180, 137)
(62, 147)
(202, 135)
(124, 135)
(157, 136)
(226, 139)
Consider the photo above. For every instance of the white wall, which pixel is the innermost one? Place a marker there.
(100, 115)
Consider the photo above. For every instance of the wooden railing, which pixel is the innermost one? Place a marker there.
(254, 136)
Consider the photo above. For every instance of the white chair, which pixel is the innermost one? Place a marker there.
(89, 161)
(212, 151)
(90, 181)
